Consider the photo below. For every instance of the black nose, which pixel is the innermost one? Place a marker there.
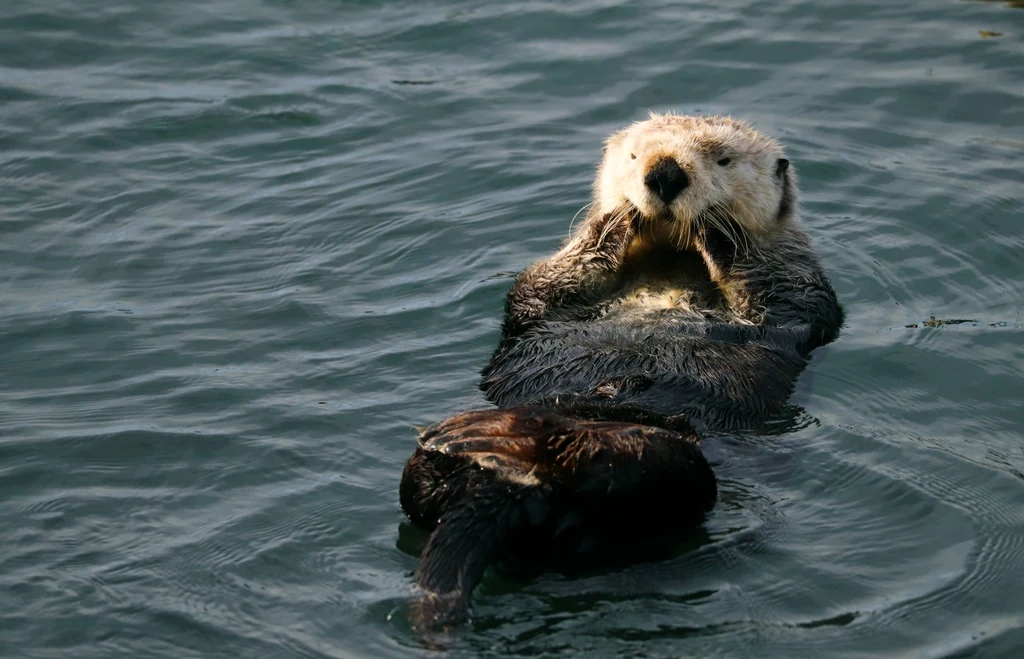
(666, 179)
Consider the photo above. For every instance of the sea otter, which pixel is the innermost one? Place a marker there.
(686, 303)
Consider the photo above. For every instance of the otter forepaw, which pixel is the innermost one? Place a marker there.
(718, 249)
(612, 235)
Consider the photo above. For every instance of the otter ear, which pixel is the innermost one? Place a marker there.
(781, 165)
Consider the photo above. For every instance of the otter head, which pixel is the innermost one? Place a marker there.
(677, 172)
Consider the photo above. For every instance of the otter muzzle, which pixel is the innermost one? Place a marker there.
(666, 179)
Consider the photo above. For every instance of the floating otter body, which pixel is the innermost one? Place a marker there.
(687, 302)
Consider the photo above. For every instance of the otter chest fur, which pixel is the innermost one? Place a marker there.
(658, 275)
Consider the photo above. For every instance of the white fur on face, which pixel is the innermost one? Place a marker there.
(747, 188)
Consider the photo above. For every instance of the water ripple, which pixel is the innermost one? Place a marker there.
(247, 249)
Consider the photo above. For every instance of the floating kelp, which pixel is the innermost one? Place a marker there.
(938, 322)
(1019, 4)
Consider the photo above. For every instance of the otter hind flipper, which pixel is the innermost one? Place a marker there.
(495, 484)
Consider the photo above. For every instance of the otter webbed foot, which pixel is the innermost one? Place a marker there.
(490, 481)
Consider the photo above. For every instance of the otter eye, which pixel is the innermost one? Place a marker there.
(724, 161)
(633, 156)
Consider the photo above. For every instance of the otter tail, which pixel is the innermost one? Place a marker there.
(468, 538)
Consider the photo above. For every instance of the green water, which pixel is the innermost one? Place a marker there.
(245, 247)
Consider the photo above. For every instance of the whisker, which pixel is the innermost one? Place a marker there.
(585, 206)
(726, 221)
(736, 231)
(617, 215)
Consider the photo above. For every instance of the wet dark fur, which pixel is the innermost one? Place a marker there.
(596, 435)
(594, 479)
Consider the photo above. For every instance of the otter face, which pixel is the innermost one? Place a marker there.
(682, 170)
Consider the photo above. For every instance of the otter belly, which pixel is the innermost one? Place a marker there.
(655, 366)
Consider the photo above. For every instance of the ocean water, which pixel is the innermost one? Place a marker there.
(247, 247)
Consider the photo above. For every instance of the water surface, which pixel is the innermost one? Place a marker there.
(246, 247)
